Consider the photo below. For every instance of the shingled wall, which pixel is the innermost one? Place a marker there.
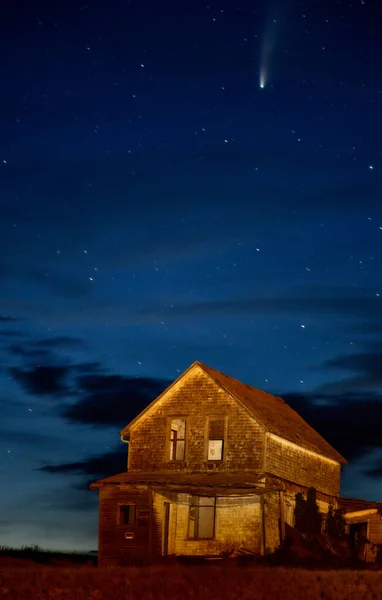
(295, 464)
(196, 398)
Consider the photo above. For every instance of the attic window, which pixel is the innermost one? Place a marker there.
(216, 429)
(177, 439)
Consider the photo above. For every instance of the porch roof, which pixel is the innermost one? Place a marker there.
(191, 482)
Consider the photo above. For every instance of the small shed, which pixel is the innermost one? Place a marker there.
(364, 525)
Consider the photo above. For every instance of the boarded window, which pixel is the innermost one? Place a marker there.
(216, 429)
(177, 439)
(127, 514)
(202, 517)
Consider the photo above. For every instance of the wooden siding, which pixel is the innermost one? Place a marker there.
(295, 464)
(196, 399)
(291, 489)
(114, 547)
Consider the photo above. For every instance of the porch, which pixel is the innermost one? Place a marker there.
(159, 514)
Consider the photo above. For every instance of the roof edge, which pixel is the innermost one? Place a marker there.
(340, 459)
(127, 428)
(206, 370)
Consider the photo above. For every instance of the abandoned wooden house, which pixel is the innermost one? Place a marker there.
(213, 465)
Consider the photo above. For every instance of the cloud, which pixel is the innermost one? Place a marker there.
(63, 341)
(98, 466)
(25, 352)
(42, 380)
(59, 284)
(8, 319)
(43, 349)
(12, 333)
(366, 365)
(28, 438)
(112, 399)
(351, 423)
(375, 472)
(363, 307)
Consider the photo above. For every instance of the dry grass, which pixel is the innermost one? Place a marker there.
(176, 582)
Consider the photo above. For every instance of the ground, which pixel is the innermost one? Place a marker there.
(177, 582)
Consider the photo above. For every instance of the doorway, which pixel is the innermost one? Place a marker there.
(358, 539)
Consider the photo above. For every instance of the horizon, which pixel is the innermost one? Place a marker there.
(179, 184)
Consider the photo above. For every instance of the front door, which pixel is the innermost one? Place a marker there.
(166, 526)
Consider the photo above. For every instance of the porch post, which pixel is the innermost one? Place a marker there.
(263, 523)
(282, 515)
(151, 523)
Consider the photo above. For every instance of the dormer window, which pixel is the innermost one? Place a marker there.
(216, 435)
(177, 439)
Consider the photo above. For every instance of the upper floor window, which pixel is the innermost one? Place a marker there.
(177, 439)
(216, 434)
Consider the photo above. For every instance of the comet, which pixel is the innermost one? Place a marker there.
(267, 48)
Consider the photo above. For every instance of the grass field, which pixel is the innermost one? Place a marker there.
(178, 582)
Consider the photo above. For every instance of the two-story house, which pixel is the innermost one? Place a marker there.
(213, 465)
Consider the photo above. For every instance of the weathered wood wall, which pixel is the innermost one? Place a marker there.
(300, 466)
(113, 547)
(197, 399)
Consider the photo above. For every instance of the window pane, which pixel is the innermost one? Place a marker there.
(215, 449)
(182, 430)
(127, 514)
(179, 425)
(192, 522)
(177, 439)
(171, 450)
(179, 450)
(206, 521)
(216, 429)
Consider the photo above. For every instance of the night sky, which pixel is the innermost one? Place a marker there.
(158, 206)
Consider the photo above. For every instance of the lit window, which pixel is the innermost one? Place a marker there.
(202, 517)
(127, 514)
(177, 439)
(216, 439)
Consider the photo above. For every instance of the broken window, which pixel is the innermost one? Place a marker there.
(127, 514)
(202, 517)
(216, 428)
(177, 439)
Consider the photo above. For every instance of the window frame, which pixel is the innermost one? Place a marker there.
(120, 513)
(223, 440)
(169, 440)
(196, 507)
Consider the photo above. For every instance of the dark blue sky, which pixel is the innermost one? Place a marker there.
(158, 207)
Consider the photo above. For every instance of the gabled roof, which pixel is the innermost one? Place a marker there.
(275, 415)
